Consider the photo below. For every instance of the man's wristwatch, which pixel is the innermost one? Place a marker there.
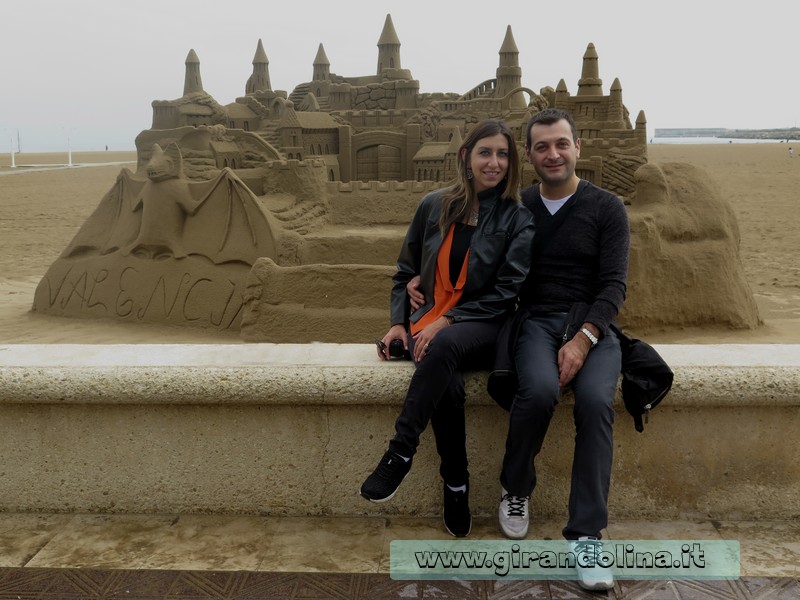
(592, 337)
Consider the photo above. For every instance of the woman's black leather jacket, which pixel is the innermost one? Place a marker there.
(499, 259)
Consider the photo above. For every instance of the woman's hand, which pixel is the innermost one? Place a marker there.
(396, 332)
(424, 338)
(415, 298)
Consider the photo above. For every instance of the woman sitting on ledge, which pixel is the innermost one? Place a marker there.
(470, 246)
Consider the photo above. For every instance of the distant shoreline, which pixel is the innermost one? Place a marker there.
(711, 141)
(789, 133)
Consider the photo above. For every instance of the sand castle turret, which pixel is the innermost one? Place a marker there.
(562, 95)
(259, 80)
(616, 111)
(509, 73)
(641, 129)
(590, 83)
(322, 66)
(192, 82)
(388, 48)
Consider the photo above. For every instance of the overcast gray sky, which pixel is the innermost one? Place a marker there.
(87, 70)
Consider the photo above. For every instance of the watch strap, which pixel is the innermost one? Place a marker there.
(592, 337)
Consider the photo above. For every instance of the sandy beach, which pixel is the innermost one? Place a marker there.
(43, 203)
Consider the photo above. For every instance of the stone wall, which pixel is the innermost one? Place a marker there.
(293, 429)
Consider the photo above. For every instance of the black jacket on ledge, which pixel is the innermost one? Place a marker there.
(499, 259)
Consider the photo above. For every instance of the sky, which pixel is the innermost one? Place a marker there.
(81, 75)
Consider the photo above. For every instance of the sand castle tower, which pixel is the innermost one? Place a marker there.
(259, 80)
(192, 82)
(590, 83)
(322, 66)
(616, 112)
(509, 73)
(388, 48)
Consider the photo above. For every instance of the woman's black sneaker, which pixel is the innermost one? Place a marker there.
(456, 515)
(386, 478)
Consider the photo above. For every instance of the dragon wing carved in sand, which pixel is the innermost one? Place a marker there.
(167, 216)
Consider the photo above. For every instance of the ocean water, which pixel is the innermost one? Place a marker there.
(715, 140)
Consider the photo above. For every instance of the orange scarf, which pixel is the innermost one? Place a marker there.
(445, 296)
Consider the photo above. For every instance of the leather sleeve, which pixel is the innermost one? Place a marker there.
(409, 262)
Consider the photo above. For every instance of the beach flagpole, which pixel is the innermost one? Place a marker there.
(69, 151)
(13, 155)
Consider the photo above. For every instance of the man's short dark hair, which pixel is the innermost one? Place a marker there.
(548, 116)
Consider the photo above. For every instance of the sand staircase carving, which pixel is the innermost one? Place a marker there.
(299, 94)
(303, 217)
(270, 133)
(482, 90)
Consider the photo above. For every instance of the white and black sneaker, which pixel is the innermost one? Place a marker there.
(591, 576)
(386, 478)
(513, 515)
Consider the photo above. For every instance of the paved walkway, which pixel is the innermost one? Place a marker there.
(66, 556)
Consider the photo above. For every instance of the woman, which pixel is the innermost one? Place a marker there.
(470, 246)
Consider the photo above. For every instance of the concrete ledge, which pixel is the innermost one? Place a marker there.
(292, 429)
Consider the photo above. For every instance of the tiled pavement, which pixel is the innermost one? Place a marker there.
(181, 557)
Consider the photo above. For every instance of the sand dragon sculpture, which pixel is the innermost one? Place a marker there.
(257, 215)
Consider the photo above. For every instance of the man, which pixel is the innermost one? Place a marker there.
(579, 265)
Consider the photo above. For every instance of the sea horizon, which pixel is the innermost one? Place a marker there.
(713, 140)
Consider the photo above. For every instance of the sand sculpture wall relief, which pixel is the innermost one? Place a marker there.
(281, 214)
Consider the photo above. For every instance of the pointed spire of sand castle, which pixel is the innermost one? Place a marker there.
(192, 83)
(259, 80)
(509, 49)
(590, 83)
(322, 66)
(388, 47)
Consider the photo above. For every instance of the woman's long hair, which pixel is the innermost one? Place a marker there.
(457, 199)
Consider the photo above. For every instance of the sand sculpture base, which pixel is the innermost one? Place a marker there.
(341, 303)
(294, 429)
(162, 248)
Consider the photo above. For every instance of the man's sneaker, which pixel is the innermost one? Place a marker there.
(386, 478)
(456, 515)
(513, 515)
(591, 576)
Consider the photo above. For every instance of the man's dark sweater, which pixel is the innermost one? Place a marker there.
(584, 260)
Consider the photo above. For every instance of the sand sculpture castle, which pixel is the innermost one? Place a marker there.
(381, 128)
(317, 186)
